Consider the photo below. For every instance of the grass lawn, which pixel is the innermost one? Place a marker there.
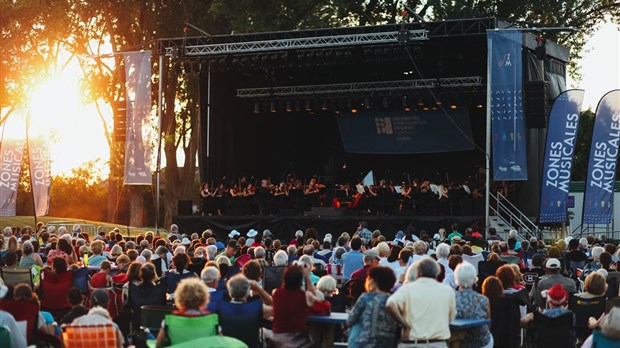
(90, 226)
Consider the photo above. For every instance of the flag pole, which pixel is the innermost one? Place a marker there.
(34, 206)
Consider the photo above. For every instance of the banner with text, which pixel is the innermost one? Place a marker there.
(598, 200)
(561, 138)
(400, 132)
(39, 153)
(11, 154)
(506, 89)
(137, 140)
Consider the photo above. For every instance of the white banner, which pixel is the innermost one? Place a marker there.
(39, 152)
(11, 154)
(137, 140)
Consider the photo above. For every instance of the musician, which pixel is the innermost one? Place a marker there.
(249, 199)
(312, 194)
(297, 198)
(264, 198)
(219, 197)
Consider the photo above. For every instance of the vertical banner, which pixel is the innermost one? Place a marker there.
(557, 168)
(11, 155)
(137, 141)
(598, 200)
(507, 122)
(39, 153)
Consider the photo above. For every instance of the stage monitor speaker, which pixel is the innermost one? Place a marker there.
(536, 106)
(185, 208)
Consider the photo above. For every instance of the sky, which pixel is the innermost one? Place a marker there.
(600, 65)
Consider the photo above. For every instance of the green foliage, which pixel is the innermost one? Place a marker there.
(582, 147)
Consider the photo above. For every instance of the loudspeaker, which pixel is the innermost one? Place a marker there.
(536, 104)
(184, 208)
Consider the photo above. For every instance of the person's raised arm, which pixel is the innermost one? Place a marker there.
(264, 296)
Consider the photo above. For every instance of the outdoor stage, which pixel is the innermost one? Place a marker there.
(284, 227)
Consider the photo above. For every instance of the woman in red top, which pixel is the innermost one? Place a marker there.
(290, 308)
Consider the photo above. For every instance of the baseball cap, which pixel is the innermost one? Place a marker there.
(553, 263)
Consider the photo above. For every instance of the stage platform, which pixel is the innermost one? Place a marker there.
(284, 227)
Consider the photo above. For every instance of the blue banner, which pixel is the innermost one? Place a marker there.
(505, 80)
(400, 132)
(598, 202)
(561, 138)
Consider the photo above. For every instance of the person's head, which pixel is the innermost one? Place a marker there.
(595, 284)
(191, 294)
(59, 265)
(105, 266)
(97, 247)
(380, 279)
(116, 251)
(553, 265)
(23, 292)
(492, 288)
(327, 285)
(493, 257)
(180, 262)
(339, 252)
(223, 259)
(292, 278)
(238, 287)
(554, 252)
(280, 258)
(64, 246)
(427, 268)
(147, 254)
(260, 253)
(507, 276)
(356, 243)
(605, 260)
(75, 296)
(231, 248)
(133, 272)
(147, 274)
(419, 248)
(456, 249)
(383, 249)
(404, 256)
(454, 260)
(371, 257)
(503, 247)
(537, 260)
(211, 276)
(610, 325)
(597, 251)
(27, 248)
(252, 270)
(557, 296)
(465, 275)
(99, 298)
(309, 250)
(467, 250)
(573, 244)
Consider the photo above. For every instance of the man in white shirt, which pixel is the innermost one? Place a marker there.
(424, 308)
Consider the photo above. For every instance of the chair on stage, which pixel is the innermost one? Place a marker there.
(554, 332)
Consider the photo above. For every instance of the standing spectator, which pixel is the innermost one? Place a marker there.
(353, 260)
(425, 307)
(371, 325)
(363, 232)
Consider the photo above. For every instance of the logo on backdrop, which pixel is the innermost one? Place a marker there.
(12, 156)
(561, 138)
(505, 61)
(384, 125)
(603, 161)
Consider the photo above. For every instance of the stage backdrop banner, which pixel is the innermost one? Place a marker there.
(598, 201)
(137, 140)
(561, 138)
(39, 153)
(507, 122)
(12, 154)
(400, 132)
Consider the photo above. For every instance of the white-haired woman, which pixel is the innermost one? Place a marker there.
(472, 305)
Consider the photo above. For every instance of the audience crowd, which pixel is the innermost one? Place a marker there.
(402, 291)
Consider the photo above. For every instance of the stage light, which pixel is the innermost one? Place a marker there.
(434, 108)
(256, 108)
(438, 102)
(425, 108)
(308, 105)
(386, 102)
(479, 106)
(272, 107)
(367, 103)
(289, 106)
(324, 106)
(420, 101)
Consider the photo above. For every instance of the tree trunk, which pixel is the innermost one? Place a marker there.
(135, 196)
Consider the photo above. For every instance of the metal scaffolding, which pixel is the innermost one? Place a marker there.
(359, 87)
(215, 49)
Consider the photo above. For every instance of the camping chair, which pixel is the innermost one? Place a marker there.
(212, 342)
(55, 288)
(23, 311)
(486, 269)
(89, 336)
(143, 296)
(181, 329)
(152, 316)
(505, 325)
(613, 282)
(554, 332)
(272, 277)
(173, 280)
(80, 279)
(614, 302)
(13, 277)
(601, 341)
(584, 309)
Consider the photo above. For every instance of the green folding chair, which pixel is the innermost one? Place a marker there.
(212, 342)
(181, 329)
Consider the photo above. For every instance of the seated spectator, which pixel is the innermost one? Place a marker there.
(210, 275)
(115, 252)
(99, 315)
(9, 322)
(97, 247)
(308, 262)
(371, 325)
(594, 286)
(557, 299)
(553, 277)
(471, 305)
(290, 308)
(403, 260)
(253, 271)
(453, 262)
(102, 279)
(77, 306)
(29, 257)
(63, 250)
(595, 264)
(609, 324)
(190, 297)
